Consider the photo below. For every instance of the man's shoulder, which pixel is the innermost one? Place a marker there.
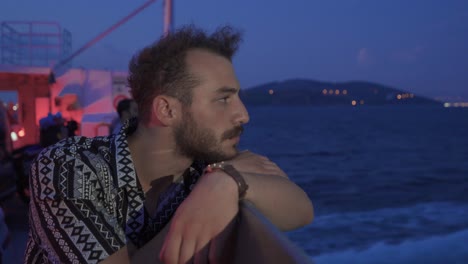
(76, 146)
(62, 168)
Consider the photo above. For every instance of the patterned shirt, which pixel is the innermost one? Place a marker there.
(86, 201)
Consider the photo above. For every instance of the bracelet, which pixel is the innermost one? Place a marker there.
(233, 173)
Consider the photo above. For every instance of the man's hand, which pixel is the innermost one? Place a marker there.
(249, 162)
(203, 223)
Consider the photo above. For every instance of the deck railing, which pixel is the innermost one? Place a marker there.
(259, 241)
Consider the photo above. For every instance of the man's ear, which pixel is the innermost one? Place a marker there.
(166, 110)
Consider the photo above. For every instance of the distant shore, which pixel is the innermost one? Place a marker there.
(310, 92)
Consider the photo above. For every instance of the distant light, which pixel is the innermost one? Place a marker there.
(337, 92)
(330, 91)
(15, 107)
(361, 102)
(447, 104)
(324, 91)
(399, 97)
(460, 104)
(21, 133)
(353, 102)
(271, 91)
(13, 136)
(345, 92)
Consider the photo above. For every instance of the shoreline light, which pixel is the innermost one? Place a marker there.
(456, 104)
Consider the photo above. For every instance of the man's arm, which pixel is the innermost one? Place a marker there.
(64, 227)
(283, 202)
(213, 205)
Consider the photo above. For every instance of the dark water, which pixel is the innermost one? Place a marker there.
(382, 179)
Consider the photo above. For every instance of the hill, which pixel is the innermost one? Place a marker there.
(310, 92)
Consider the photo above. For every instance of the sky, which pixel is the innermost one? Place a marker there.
(420, 46)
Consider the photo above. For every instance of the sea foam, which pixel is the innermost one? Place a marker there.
(450, 249)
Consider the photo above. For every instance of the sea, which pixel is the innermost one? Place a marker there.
(389, 184)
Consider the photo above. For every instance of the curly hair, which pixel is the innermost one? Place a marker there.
(160, 68)
(123, 105)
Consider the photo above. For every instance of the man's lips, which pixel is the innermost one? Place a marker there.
(233, 133)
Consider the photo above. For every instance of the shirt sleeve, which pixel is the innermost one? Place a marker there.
(67, 224)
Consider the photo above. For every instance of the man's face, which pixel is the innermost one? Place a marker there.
(202, 142)
(211, 126)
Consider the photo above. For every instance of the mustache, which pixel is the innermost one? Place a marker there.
(235, 132)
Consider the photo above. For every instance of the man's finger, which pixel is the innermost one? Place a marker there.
(170, 251)
(187, 249)
(275, 170)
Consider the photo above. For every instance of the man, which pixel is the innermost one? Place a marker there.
(107, 198)
(52, 129)
(126, 109)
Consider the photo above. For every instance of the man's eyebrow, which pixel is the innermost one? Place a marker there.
(227, 90)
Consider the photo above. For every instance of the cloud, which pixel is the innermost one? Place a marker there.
(364, 57)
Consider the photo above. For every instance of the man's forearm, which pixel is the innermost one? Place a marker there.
(284, 203)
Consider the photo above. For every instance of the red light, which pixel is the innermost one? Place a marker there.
(21, 133)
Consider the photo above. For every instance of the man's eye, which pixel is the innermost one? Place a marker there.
(224, 99)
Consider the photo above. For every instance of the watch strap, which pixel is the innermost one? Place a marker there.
(234, 174)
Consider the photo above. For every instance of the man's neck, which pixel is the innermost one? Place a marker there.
(154, 155)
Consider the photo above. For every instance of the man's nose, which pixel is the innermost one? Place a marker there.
(242, 115)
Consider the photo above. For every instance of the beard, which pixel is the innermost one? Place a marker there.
(201, 143)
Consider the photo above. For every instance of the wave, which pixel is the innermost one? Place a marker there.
(450, 248)
(360, 230)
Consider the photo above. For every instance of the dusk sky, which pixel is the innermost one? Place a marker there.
(420, 46)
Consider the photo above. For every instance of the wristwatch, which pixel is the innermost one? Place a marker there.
(233, 173)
